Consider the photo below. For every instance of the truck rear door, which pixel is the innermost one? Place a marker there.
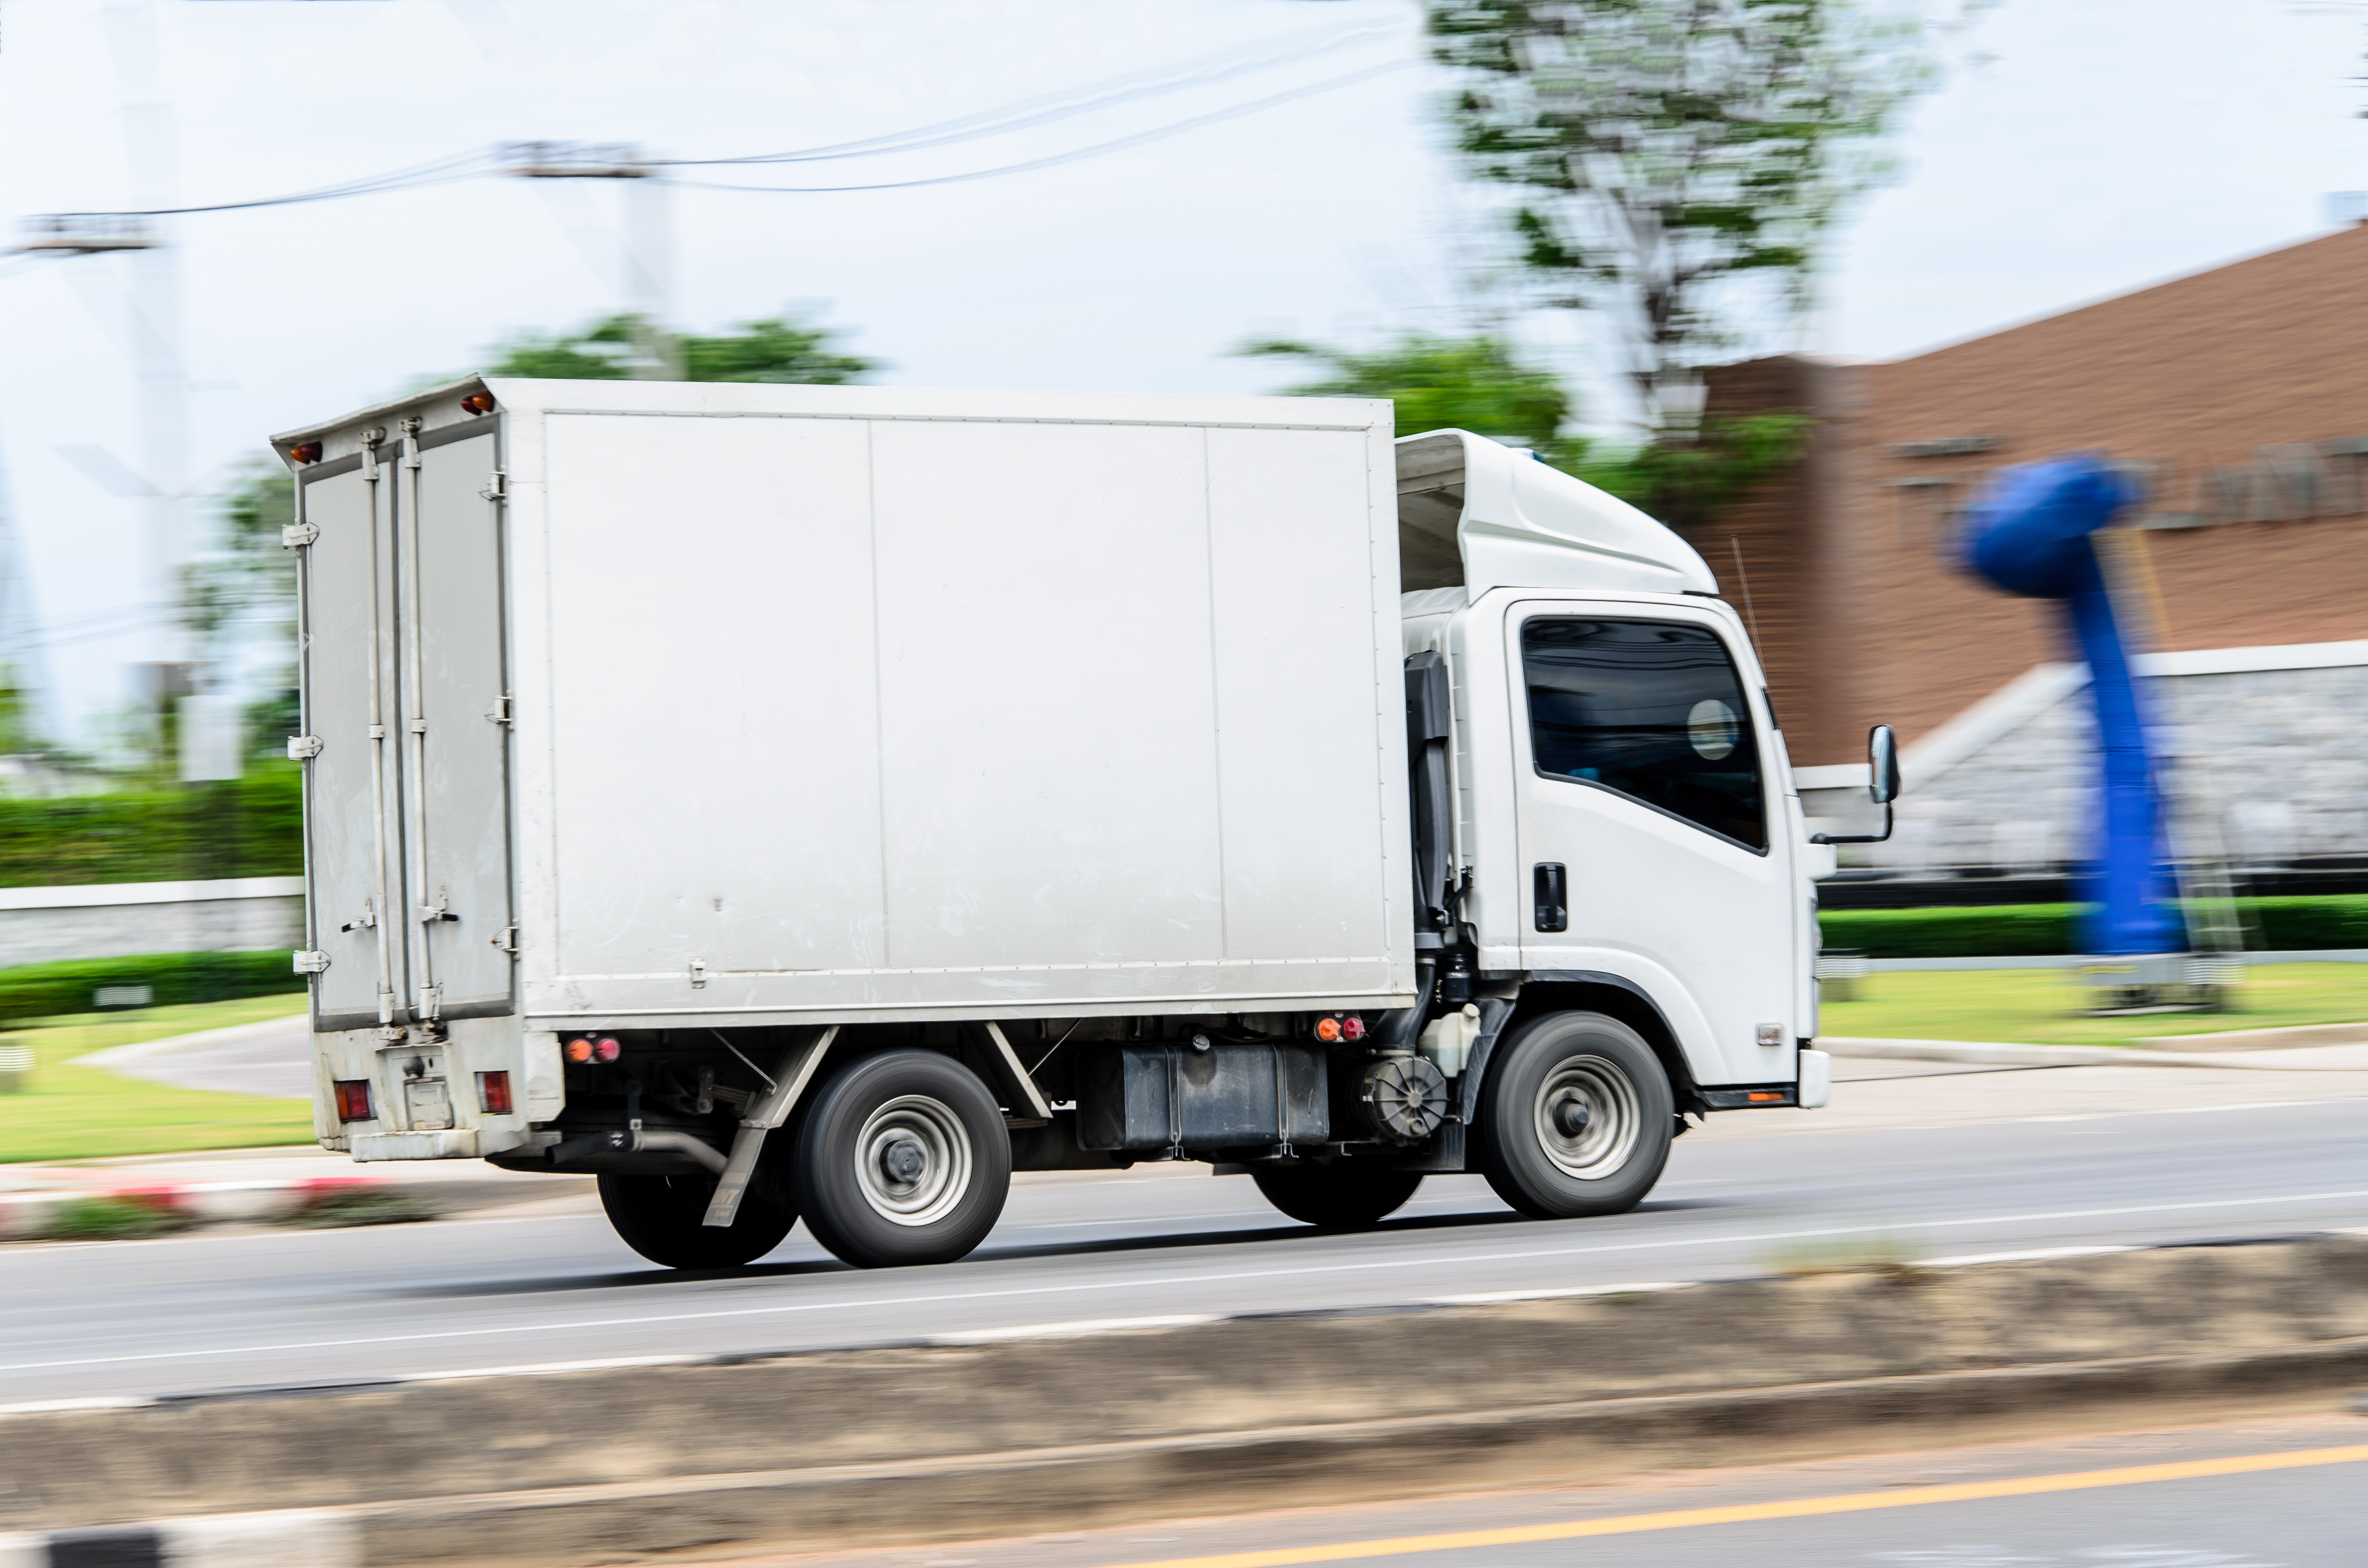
(406, 689)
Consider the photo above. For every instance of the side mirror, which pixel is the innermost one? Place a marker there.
(1882, 786)
(1883, 765)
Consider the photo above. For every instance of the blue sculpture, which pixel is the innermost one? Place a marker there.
(2030, 534)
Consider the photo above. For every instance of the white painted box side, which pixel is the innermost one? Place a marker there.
(871, 712)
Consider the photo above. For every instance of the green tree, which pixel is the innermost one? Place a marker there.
(776, 349)
(244, 588)
(1439, 383)
(1676, 162)
(1479, 384)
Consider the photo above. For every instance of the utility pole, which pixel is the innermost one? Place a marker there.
(644, 238)
(151, 155)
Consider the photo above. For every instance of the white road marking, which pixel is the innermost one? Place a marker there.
(2031, 1255)
(1423, 1259)
(1489, 1298)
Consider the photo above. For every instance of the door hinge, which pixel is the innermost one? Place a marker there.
(500, 711)
(311, 963)
(498, 485)
(507, 939)
(303, 748)
(295, 536)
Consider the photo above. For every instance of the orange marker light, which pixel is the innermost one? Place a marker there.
(310, 452)
(579, 1050)
(1327, 1029)
(478, 402)
(1761, 1096)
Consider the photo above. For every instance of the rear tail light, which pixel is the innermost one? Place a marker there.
(354, 1100)
(593, 1048)
(1352, 1028)
(310, 452)
(478, 402)
(494, 1093)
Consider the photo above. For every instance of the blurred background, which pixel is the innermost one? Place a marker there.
(1796, 287)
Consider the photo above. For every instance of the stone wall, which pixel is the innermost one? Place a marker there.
(49, 924)
(2269, 761)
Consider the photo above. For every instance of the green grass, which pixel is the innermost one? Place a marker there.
(2039, 1007)
(71, 1112)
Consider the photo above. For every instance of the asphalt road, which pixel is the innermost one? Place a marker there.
(2255, 1494)
(1941, 1165)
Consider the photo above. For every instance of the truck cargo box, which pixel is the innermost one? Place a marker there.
(658, 705)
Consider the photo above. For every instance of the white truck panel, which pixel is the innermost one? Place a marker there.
(851, 703)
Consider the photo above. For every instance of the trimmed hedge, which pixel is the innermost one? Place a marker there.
(2014, 930)
(251, 826)
(54, 990)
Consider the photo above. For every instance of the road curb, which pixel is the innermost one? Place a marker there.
(1090, 1486)
(312, 1538)
(25, 1216)
(2005, 1054)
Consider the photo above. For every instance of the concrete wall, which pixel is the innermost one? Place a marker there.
(48, 925)
(2267, 753)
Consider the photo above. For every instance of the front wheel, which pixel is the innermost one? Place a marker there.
(902, 1158)
(659, 1217)
(1575, 1118)
(1343, 1195)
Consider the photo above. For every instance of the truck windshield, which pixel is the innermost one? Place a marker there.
(1651, 709)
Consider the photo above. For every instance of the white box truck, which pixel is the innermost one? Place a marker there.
(820, 801)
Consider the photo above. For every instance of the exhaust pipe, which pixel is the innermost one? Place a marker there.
(635, 1142)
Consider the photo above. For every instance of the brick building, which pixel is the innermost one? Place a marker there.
(2238, 396)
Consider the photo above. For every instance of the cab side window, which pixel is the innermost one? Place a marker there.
(1652, 709)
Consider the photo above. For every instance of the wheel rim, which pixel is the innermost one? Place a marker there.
(912, 1160)
(1599, 1087)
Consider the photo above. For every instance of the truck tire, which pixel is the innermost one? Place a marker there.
(1344, 1195)
(658, 1216)
(1539, 1153)
(902, 1158)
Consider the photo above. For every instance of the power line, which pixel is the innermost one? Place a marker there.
(1140, 138)
(1027, 114)
(1024, 115)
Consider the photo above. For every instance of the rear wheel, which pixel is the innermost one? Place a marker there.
(1342, 1195)
(658, 1216)
(902, 1158)
(1575, 1118)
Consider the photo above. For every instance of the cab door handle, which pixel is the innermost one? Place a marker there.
(1552, 896)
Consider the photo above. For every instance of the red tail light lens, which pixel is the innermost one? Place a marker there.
(606, 1049)
(354, 1100)
(1352, 1028)
(494, 1093)
(310, 452)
